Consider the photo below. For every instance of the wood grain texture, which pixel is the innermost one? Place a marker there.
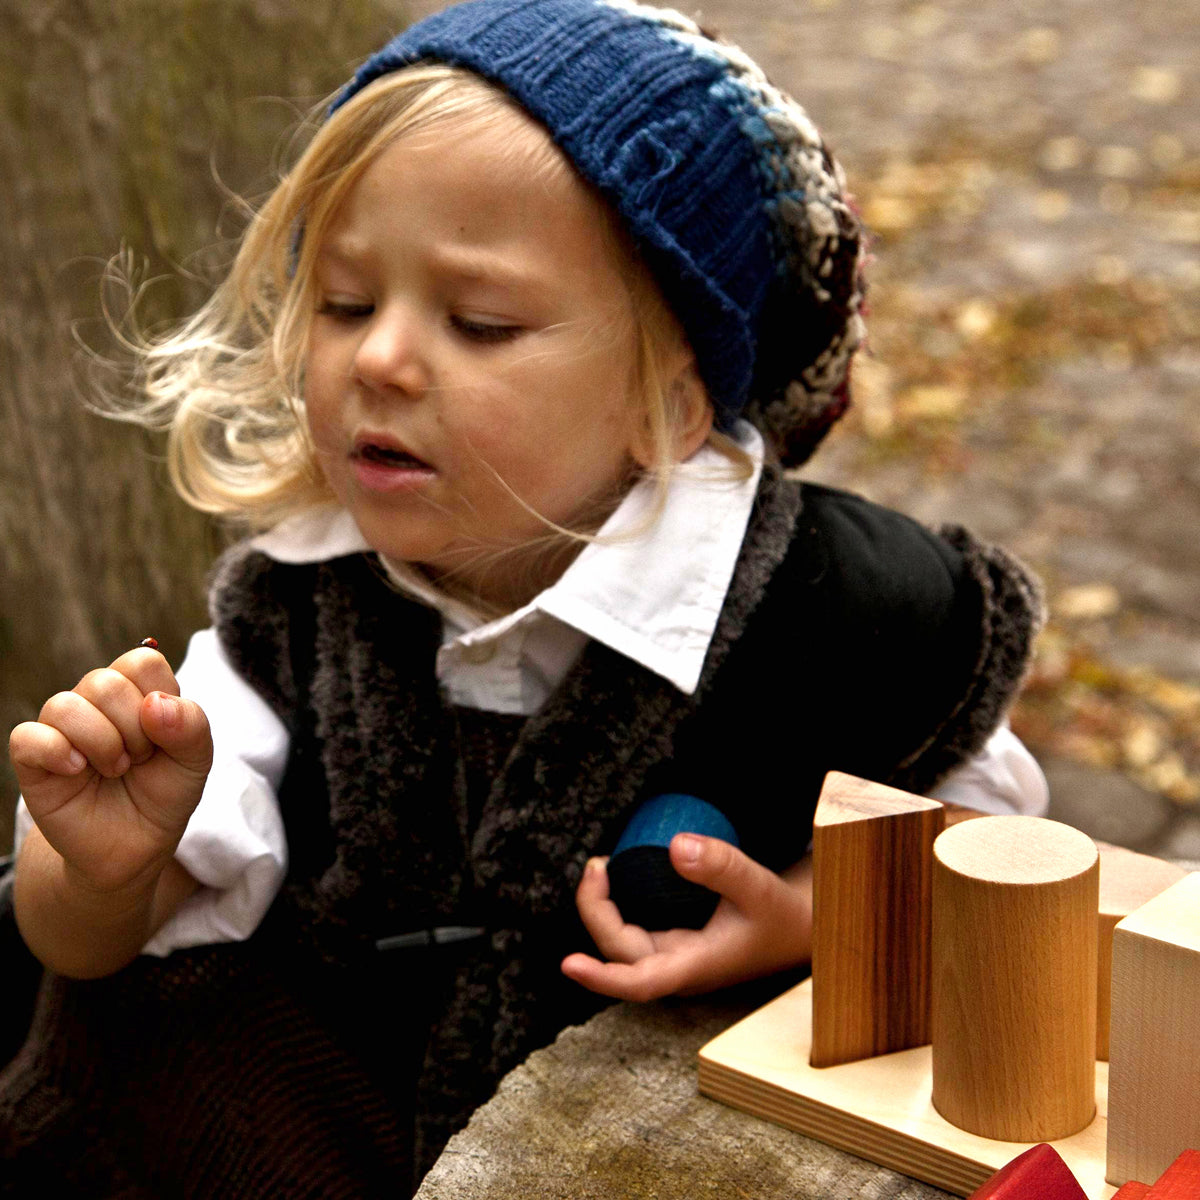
(878, 1108)
(872, 852)
(1037, 1174)
(1014, 978)
(1154, 1046)
(1127, 881)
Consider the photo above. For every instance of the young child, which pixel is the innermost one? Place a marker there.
(506, 370)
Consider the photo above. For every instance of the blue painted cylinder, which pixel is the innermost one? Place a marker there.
(641, 880)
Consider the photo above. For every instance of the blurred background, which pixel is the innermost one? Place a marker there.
(1032, 176)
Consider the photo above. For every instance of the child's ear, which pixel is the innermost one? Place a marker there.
(693, 411)
(689, 414)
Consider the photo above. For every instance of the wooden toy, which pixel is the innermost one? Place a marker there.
(641, 881)
(1127, 881)
(877, 1108)
(1041, 1174)
(1014, 978)
(1180, 1181)
(882, 1107)
(872, 855)
(1154, 1043)
(1038, 1174)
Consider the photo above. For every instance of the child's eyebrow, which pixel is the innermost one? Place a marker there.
(344, 252)
(495, 270)
(464, 263)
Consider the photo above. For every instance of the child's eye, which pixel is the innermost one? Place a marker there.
(484, 331)
(343, 309)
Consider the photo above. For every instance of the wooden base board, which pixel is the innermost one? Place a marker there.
(878, 1108)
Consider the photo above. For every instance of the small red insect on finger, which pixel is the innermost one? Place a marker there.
(152, 643)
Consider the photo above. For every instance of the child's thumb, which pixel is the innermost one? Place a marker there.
(180, 728)
(720, 866)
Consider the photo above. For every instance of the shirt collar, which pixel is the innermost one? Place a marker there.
(315, 535)
(650, 587)
(654, 594)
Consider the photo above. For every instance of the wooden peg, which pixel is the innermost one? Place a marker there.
(1037, 1174)
(872, 848)
(1154, 1041)
(1127, 881)
(1014, 978)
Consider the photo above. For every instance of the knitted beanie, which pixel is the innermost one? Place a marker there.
(723, 181)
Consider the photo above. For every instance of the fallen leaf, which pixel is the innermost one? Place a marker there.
(1063, 153)
(1155, 85)
(934, 400)
(1142, 744)
(1040, 45)
(1117, 162)
(1087, 602)
(1052, 205)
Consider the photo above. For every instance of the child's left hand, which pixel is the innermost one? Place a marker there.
(763, 924)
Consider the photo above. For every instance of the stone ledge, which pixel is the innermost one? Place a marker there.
(611, 1110)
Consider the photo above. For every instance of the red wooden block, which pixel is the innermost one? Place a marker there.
(1037, 1174)
(1131, 1191)
(1180, 1181)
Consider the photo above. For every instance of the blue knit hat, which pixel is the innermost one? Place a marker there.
(723, 181)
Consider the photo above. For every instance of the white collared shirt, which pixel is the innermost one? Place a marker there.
(649, 586)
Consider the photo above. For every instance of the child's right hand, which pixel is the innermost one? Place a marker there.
(112, 770)
(763, 924)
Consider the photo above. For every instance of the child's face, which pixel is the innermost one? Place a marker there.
(469, 365)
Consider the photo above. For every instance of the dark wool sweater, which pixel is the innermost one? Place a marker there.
(306, 1062)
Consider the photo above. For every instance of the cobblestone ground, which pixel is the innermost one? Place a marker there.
(1031, 172)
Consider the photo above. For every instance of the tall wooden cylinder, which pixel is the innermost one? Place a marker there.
(1014, 978)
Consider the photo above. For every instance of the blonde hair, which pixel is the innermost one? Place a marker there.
(227, 385)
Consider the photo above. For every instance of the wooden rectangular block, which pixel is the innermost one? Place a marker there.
(1154, 1042)
(1180, 1181)
(1127, 881)
(872, 870)
(1131, 1191)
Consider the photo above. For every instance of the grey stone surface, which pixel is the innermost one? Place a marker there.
(1180, 841)
(611, 1110)
(1107, 806)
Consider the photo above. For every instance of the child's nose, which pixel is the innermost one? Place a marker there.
(389, 359)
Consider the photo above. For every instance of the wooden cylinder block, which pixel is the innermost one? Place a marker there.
(1014, 978)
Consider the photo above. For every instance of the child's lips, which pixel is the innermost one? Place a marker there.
(383, 464)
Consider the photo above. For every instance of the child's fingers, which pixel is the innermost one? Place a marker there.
(723, 868)
(37, 750)
(661, 974)
(180, 728)
(119, 699)
(147, 669)
(613, 937)
(89, 730)
(764, 922)
(167, 787)
(102, 716)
